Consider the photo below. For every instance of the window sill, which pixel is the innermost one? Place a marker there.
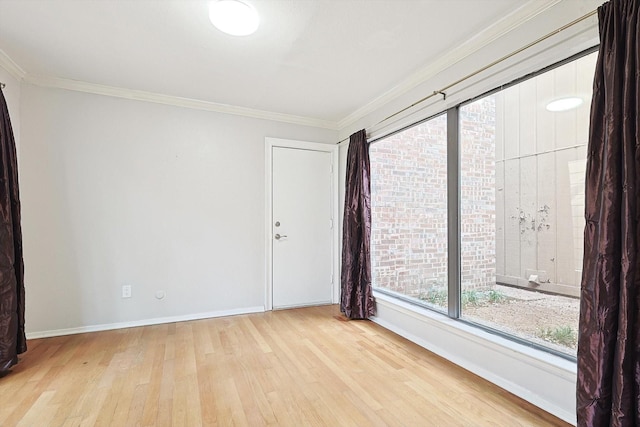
(555, 365)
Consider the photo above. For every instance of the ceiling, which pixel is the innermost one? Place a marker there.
(319, 59)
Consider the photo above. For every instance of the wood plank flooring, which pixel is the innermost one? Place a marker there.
(302, 367)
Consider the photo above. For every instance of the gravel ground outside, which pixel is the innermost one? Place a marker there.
(549, 320)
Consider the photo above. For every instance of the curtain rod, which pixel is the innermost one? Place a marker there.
(486, 67)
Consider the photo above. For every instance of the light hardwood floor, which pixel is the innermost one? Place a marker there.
(302, 367)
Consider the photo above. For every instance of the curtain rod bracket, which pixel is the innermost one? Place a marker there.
(444, 95)
(2, 85)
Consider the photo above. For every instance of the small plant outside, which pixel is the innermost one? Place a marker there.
(563, 335)
(435, 296)
(548, 320)
(469, 297)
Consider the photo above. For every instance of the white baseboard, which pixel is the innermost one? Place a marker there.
(143, 322)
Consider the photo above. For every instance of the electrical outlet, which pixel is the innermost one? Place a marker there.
(126, 291)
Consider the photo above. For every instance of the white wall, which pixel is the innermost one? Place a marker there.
(542, 379)
(118, 192)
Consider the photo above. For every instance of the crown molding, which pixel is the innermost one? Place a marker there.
(12, 68)
(158, 98)
(528, 11)
(499, 29)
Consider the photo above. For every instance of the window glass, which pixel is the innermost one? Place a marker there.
(522, 171)
(409, 213)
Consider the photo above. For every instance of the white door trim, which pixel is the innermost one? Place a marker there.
(301, 145)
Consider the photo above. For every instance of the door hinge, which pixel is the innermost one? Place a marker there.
(331, 168)
(332, 279)
(331, 224)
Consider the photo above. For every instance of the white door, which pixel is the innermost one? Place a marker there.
(301, 228)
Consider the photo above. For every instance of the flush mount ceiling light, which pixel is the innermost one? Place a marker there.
(564, 104)
(233, 17)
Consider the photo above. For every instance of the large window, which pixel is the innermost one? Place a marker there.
(521, 167)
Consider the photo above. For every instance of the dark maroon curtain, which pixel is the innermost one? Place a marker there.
(357, 296)
(608, 386)
(12, 337)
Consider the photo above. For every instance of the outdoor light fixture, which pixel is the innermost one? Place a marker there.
(564, 104)
(233, 17)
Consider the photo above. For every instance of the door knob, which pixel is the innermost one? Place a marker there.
(279, 236)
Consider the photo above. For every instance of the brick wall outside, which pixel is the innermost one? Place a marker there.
(409, 197)
(478, 194)
(408, 203)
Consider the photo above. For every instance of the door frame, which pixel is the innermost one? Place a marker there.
(270, 143)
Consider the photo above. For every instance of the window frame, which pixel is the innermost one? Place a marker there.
(453, 161)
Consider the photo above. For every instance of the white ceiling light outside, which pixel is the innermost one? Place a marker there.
(564, 104)
(233, 17)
